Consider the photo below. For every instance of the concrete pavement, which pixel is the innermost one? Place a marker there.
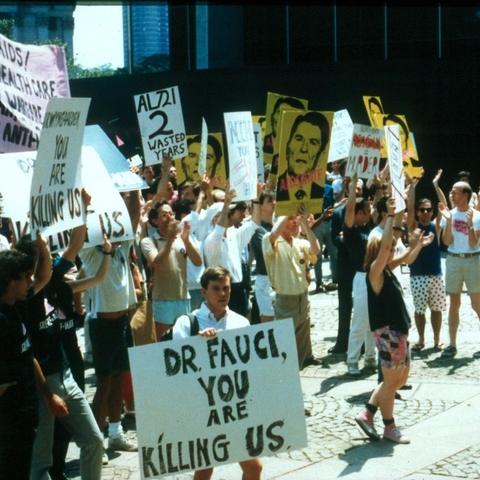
(440, 414)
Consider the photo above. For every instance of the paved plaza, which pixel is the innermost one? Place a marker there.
(440, 413)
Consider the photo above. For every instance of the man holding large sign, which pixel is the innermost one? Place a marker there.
(231, 374)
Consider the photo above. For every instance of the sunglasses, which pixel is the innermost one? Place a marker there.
(425, 210)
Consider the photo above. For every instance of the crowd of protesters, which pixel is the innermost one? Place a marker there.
(183, 235)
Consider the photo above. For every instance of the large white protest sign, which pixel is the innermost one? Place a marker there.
(15, 187)
(395, 162)
(161, 124)
(107, 212)
(341, 137)
(365, 151)
(30, 76)
(205, 402)
(241, 154)
(257, 132)
(202, 161)
(55, 196)
(97, 143)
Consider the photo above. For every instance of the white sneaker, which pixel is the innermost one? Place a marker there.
(122, 442)
(353, 369)
(104, 458)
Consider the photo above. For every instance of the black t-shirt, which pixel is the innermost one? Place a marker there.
(256, 244)
(43, 326)
(16, 365)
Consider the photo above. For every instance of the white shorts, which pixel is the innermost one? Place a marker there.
(428, 290)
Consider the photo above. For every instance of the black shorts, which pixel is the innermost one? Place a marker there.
(110, 341)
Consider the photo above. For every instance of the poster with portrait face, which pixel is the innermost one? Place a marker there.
(275, 103)
(188, 166)
(303, 153)
(374, 107)
(411, 164)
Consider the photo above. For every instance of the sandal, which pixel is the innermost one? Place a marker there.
(417, 347)
(439, 347)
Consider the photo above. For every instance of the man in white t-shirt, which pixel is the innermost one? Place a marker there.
(461, 230)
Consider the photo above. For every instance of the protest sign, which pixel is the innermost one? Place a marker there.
(202, 161)
(161, 124)
(274, 103)
(97, 143)
(206, 402)
(107, 212)
(341, 138)
(303, 148)
(188, 166)
(30, 76)
(257, 132)
(411, 164)
(55, 195)
(15, 187)
(365, 151)
(241, 154)
(394, 149)
(374, 108)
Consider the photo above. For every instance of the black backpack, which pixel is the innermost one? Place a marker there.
(194, 328)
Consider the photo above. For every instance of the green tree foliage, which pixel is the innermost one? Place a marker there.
(6, 28)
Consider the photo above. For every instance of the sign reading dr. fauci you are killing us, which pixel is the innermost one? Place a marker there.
(203, 402)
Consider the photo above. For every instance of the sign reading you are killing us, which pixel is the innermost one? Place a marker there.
(204, 402)
(55, 195)
(161, 124)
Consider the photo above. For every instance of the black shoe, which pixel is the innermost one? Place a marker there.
(407, 386)
(397, 396)
(336, 349)
(312, 361)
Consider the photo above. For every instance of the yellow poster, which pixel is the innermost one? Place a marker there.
(411, 164)
(374, 107)
(275, 103)
(187, 167)
(303, 153)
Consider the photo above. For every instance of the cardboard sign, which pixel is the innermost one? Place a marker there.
(207, 402)
(15, 187)
(161, 124)
(188, 167)
(96, 143)
(394, 149)
(31, 75)
(374, 108)
(202, 161)
(257, 132)
(107, 212)
(364, 157)
(241, 154)
(341, 138)
(411, 164)
(303, 154)
(55, 195)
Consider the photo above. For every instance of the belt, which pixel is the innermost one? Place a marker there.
(464, 255)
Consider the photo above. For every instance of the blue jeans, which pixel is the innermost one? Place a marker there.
(80, 422)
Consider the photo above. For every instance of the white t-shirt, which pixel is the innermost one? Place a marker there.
(460, 231)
